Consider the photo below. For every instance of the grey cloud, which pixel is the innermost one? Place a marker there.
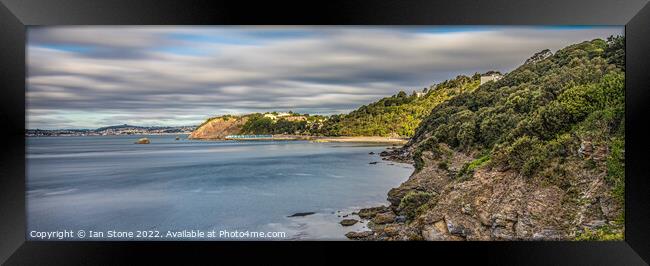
(124, 76)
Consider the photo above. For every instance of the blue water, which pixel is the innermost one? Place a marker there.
(103, 183)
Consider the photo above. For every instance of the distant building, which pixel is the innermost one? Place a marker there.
(276, 115)
(491, 77)
(420, 94)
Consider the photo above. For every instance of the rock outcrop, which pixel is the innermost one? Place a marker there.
(348, 222)
(218, 128)
(143, 141)
(493, 204)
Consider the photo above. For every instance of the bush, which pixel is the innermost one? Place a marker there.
(412, 201)
(519, 152)
(468, 169)
(437, 151)
(616, 169)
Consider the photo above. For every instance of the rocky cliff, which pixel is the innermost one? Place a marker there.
(497, 204)
(537, 155)
(219, 127)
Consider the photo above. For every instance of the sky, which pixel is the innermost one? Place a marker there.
(94, 76)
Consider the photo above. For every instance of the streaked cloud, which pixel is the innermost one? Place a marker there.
(92, 76)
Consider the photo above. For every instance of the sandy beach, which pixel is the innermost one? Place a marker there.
(362, 139)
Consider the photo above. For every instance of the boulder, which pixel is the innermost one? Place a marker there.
(466, 209)
(436, 232)
(391, 230)
(349, 222)
(547, 234)
(143, 141)
(359, 235)
(456, 229)
(395, 196)
(369, 213)
(384, 218)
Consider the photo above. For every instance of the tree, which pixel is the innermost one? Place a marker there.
(615, 51)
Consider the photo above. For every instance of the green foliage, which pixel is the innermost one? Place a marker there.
(444, 165)
(604, 233)
(412, 201)
(258, 124)
(468, 169)
(616, 168)
(400, 114)
(524, 154)
(615, 51)
(224, 117)
(574, 105)
(438, 152)
(535, 118)
(418, 162)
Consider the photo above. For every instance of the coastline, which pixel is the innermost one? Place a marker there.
(321, 139)
(362, 140)
(359, 222)
(380, 217)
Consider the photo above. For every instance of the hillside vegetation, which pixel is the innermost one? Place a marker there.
(398, 115)
(259, 123)
(395, 116)
(538, 154)
(536, 112)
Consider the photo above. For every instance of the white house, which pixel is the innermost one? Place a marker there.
(491, 77)
(276, 116)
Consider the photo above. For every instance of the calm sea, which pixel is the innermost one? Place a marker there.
(108, 184)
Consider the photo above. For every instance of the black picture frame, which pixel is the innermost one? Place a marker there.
(15, 15)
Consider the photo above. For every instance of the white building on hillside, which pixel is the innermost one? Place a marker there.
(276, 116)
(491, 77)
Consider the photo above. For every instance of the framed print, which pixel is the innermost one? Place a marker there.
(509, 130)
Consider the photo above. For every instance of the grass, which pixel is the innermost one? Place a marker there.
(468, 169)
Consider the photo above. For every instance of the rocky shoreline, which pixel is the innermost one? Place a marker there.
(383, 221)
(491, 204)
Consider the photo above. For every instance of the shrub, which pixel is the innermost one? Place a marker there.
(519, 152)
(605, 233)
(432, 145)
(412, 201)
(616, 168)
(468, 169)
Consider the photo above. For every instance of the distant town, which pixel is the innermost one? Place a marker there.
(111, 131)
